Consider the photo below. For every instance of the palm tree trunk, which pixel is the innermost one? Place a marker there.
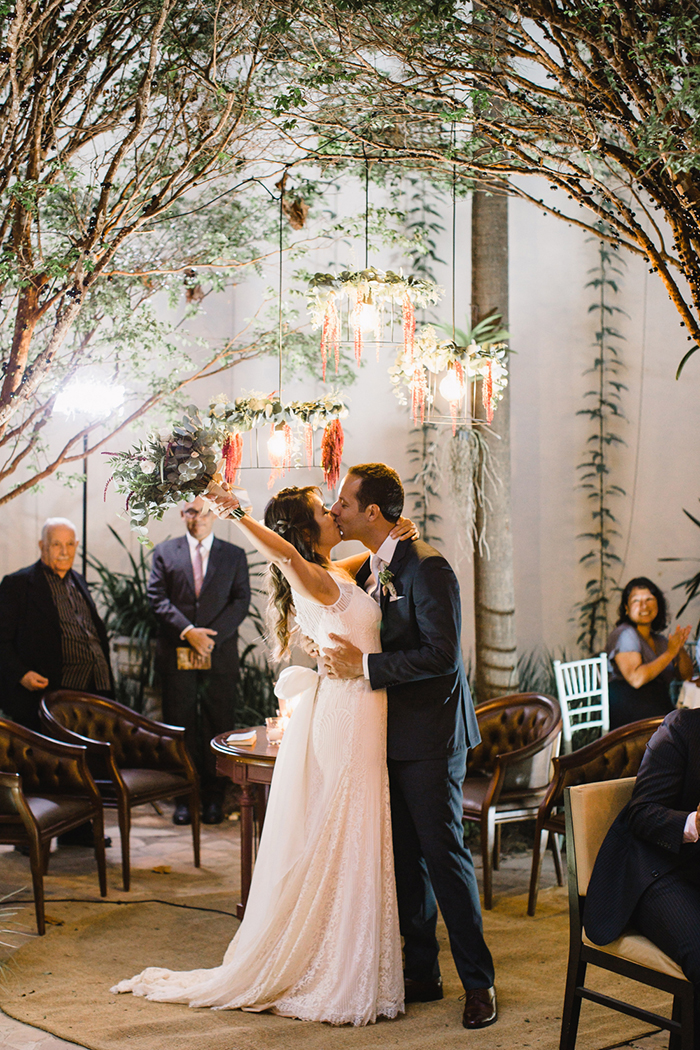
(494, 592)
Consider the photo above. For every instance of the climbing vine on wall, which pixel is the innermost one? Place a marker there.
(604, 410)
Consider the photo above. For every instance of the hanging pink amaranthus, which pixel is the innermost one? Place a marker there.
(454, 405)
(487, 393)
(419, 393)
(332, 452)
(409, 326)
(232, 452)
(309, 444)
(357, 327)
(330, 335)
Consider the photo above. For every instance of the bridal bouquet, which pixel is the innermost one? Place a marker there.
(168, 468)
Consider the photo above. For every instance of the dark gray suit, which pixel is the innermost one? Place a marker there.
(645, 875)
(431, 723)
(222, 605)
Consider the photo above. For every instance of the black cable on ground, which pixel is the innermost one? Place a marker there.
(100, 900)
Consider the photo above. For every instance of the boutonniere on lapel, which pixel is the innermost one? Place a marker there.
(386, 578)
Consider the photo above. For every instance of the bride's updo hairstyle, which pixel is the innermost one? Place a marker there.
(290, 514)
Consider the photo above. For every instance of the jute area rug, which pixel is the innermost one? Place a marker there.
(60, 983)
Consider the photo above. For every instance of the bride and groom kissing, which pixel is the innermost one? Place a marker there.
(363, 834)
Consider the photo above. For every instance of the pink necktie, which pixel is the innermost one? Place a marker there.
(198, 569)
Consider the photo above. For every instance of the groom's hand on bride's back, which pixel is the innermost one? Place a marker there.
(344, 660)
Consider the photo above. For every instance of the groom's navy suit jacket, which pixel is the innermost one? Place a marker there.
(646, 840)
(430, 710)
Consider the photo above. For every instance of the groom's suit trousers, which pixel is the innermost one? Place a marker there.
(431, 861)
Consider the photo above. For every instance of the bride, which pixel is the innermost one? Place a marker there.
(320, 937)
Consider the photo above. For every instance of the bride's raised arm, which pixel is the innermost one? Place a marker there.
(308, 579)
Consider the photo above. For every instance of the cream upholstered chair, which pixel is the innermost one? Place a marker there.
(614, 756)
(590, 810)
(582, 687)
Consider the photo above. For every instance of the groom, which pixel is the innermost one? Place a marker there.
(431, 724)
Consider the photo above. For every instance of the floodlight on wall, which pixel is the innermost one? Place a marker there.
(94, 400)
(91, 398)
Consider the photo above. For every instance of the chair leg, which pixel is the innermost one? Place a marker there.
(124, 818)
(575, 976)
(556, 853)
(98, 834)
(497, 848)
(36, 861)
(488, 827)
(683, 1012)
(196, 824)
(538, 849)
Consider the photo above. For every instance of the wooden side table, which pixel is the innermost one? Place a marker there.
(251, 767)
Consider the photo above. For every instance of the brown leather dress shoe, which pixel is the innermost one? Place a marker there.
(480, 1008)
(422, 991)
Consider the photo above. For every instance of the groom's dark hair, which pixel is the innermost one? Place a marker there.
(381, 485)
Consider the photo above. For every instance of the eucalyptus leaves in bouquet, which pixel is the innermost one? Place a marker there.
(168, 468)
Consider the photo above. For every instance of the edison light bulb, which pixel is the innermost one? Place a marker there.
(277, 444)
(366, 316)
(450, 387)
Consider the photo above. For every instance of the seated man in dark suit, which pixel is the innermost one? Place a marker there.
(200, 592)
(51, 637)
(647, 873)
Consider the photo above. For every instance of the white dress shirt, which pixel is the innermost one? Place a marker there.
(192, 543)
(378, 561)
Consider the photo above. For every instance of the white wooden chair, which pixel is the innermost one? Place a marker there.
(582, 686)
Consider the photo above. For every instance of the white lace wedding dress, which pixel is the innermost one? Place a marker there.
(320, 938)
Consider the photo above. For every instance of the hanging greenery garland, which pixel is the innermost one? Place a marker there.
(368, 292)
(172, 467)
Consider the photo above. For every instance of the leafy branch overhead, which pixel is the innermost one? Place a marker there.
(600, 99)
(132, 146)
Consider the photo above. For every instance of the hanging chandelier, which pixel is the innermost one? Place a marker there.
(363, 302)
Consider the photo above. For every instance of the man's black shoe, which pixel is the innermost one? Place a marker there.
(182, 814)
(212, 813)
(422, 991)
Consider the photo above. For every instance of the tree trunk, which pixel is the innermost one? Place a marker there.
(494, 592)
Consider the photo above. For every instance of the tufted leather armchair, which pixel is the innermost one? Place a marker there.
(133, 759)
(510, 770)
(45, 789)
(614, 756)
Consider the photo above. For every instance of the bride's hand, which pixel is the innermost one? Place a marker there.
(222, 503)
(405, 529)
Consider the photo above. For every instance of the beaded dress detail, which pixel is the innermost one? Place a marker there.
(320, 937)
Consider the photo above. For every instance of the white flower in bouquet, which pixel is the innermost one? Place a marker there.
(147, 466)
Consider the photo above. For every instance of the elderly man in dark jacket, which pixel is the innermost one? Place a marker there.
(51, 635)
(200, 593)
